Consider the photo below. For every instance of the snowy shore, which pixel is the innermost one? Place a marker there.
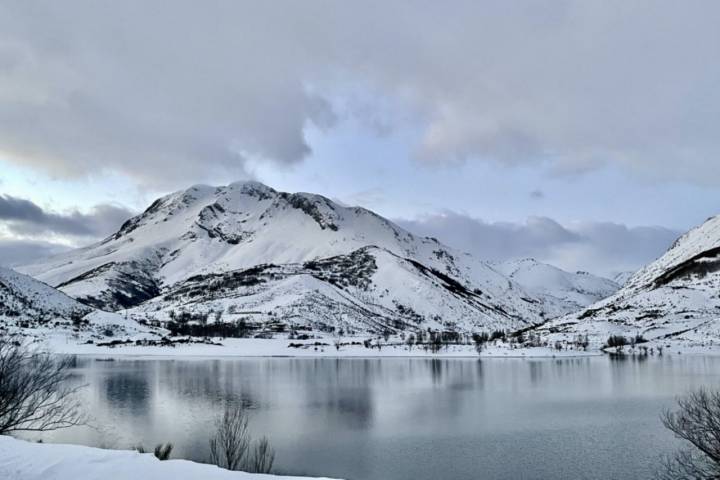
(147, 345)
(280, 347)
(20, 460)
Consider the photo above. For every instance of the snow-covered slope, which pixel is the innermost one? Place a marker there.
(25, 299)
(622, 278)
(562, 292)
(211, 234)
(32, 308)
(675, 297)
(369, 290)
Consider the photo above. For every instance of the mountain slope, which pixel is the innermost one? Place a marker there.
(675, 297)
(26, 299)
(622, 278)
(369, 290)
(560, 291)
(30, 307)
(208, 233)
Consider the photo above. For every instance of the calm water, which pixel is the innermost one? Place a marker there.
(396, 419)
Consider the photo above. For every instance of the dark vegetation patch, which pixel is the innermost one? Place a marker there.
(608, 310)
(700, 265)
(343, 271)
(239, 329)
(163, 342)
(130, 284)
(212, 285)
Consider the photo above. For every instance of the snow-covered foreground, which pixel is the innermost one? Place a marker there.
(20, 460)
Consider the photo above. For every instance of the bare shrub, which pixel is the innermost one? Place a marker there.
(261, 458)
(232, 446)
(229, 446)
(163, 451)
(696, 421)
(34, 393)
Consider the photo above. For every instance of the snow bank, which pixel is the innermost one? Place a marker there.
(21, 460)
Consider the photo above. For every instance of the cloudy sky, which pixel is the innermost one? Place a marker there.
(584, 133)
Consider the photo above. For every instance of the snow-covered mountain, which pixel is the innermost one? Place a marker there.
(560, 291)
(295, 258)
(248, 251)
(674, 297)
(33, 308)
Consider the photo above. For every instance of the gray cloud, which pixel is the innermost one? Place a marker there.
(602, 248)
(23, 217)
(174, 91)
(22, 252)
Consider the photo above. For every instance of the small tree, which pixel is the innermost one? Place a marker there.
(230, 448)
(435, 342)
(261, 458)
(230, 444)
(34, 390)
(616, 341)
(696, 421)
(480, 339)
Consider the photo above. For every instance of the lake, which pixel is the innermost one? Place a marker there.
(403, 419)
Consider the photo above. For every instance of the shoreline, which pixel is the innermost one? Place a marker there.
(351, 347)
(279, 348)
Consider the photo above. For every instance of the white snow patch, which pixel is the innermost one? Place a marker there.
(20, 460)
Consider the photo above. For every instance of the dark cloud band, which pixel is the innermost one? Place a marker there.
(23, 217)
(21, 252)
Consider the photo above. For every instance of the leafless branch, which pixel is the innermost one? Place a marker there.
(696, 421)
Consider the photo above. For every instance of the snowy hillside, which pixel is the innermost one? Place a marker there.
(315, 261)
(35, 309)
(371, 289)
(562, 292)
(675, 297)
(26, 299)
(622, 278)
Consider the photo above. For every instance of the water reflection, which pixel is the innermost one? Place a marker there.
(403, 418)
(128, 391)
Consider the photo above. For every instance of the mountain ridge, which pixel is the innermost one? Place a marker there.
(673, 297)
(191, 234)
